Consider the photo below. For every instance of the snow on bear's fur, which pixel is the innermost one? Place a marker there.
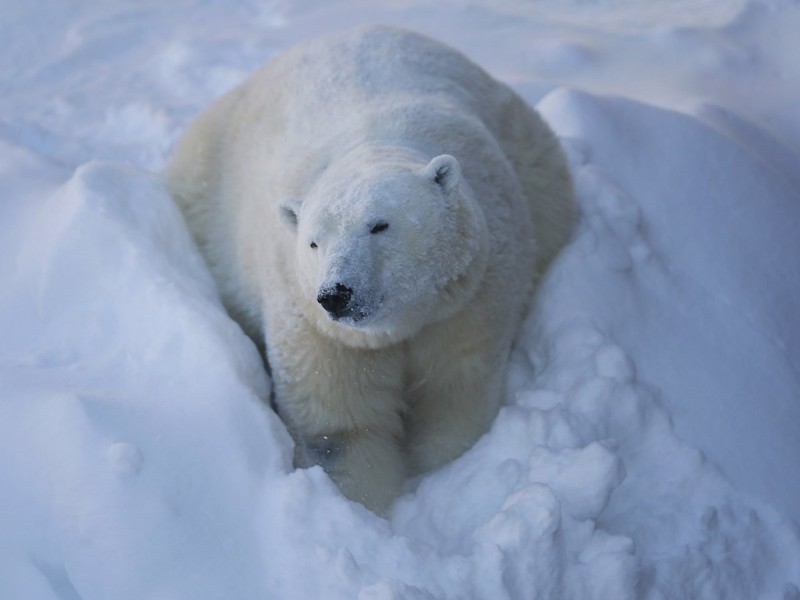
(376, 210)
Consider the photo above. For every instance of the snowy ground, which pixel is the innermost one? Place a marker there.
(649, 447)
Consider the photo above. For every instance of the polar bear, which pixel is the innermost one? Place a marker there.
(376, 210)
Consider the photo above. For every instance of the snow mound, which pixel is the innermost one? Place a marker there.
(707, 263)
(116, 452)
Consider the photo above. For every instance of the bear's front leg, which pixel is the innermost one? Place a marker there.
(456, 382)
(343, 407)
(365, 463)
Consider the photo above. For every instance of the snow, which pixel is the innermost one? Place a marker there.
(648, 447)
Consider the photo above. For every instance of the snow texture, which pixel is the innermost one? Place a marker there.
(648, 447)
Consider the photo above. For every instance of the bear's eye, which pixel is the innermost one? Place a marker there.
(380, 226)
(313, 245)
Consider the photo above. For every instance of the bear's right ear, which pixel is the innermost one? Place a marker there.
(288, 210)
(444, 171)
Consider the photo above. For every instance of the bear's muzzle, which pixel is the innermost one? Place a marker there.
(336, 300)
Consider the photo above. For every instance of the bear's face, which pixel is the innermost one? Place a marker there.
(376, 244)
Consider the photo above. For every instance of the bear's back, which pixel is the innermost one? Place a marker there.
(364, 64)
(344, 84)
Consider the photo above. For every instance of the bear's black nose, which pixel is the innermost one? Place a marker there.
(335, 300)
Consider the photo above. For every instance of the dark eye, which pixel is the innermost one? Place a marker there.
(314, 245)
(380, 226)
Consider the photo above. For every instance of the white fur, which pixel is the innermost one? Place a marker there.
(377, 125)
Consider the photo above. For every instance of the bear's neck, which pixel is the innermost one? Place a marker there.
(471, 258)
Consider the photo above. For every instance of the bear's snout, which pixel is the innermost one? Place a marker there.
(335, 300)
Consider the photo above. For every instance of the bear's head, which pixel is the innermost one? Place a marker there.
(384, 247)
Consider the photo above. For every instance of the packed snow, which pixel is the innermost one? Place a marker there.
(649, 444)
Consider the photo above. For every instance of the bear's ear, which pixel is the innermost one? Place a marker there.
(288, 210)
(444, 171)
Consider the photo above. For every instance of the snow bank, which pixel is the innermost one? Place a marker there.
(706, 261)
(133, 433)
(139, 458)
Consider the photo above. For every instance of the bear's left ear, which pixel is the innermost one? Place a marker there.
(444, 171)
(288, 210)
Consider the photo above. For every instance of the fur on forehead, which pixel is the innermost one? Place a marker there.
(390, 184)
(363, 192)
(352, 191)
